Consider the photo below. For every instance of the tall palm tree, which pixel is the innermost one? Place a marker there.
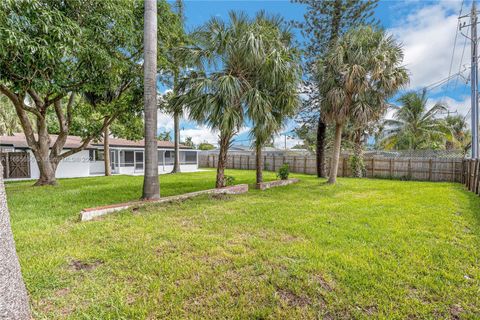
(414, 126)
(13, 299)
(360, 72)
(151, 186)
(275, 76)
(218, 98)
(177, 63)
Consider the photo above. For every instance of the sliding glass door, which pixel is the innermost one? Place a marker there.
(138, 160)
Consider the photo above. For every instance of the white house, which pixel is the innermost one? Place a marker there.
(127, 157)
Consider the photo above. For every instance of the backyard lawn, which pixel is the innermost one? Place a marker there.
(362, 248)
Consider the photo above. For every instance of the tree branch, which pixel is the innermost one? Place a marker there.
(86, 141)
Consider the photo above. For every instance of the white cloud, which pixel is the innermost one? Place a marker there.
(164, 122)
(279, 141)
(428, 36)
(200, 134)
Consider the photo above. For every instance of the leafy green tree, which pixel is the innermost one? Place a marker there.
(415, 126)
(189, 142)
(9, 123)
(205, 146)
(324, 23)
(51, 52)
(14, 298)
(360, 72)
(164, 136)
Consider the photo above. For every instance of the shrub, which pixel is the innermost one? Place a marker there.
(284, 172)
(357, 165)
(229, 181)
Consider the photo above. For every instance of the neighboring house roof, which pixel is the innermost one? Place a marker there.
(18, 140)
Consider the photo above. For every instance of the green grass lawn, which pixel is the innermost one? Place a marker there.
(360, 249)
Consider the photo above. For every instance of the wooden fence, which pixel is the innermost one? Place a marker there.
(427, 169)
(15, 164)
(471, 175)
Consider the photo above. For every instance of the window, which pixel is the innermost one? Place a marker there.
(128, 159)
(190, 157)
(169, 157)
(96, 155)
(160, 157)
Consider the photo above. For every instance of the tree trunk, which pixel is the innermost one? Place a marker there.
(322, 127)
(358, 169)
(176, 129)
(259, 164)
(106, 151)
(13, 294)
(336, 153)
(222, 160)
(47, 168)
(151, 186)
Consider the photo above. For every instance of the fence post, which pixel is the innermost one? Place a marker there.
(264, 162)
(430, 170)
(475, 168)
(294, 163)
(273, 165)
(344, 167)
(305, 164)
(472, 168)
(248, 162)
(373, 166)
(409, 169)
(7, 165)
(391, 168)
(454, 171)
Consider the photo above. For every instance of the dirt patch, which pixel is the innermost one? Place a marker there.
(292, 299)
(456, 311)
(62, 292)
(324, 284)
(220, 196)
(79, 265)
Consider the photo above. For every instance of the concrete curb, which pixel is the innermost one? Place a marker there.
(276, 183)
(91, 213)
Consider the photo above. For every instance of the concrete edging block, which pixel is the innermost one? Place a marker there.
(91, 213)
(276, 183)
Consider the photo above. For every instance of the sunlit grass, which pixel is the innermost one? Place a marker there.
(362, 248)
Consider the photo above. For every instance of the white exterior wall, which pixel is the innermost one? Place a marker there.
(97, 167)
(77, 165)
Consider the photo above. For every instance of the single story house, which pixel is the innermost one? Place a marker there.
(126, 157)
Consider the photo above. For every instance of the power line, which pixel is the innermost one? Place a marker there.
(454, 45)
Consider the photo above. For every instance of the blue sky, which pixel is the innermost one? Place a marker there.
(427, 30)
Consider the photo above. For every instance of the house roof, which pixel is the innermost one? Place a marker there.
(18, 140)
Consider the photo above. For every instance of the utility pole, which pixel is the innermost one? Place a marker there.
(474, 83)
(474, 77)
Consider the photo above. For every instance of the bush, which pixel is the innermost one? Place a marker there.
(284, 172)
(229, 181)
(357, 165)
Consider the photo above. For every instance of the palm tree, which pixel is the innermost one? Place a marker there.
(275, 76)
(414, 126)
(459, 137)
(151, 186)
(360, 72)
(218, 98)
(14, 299)
(177, 64)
